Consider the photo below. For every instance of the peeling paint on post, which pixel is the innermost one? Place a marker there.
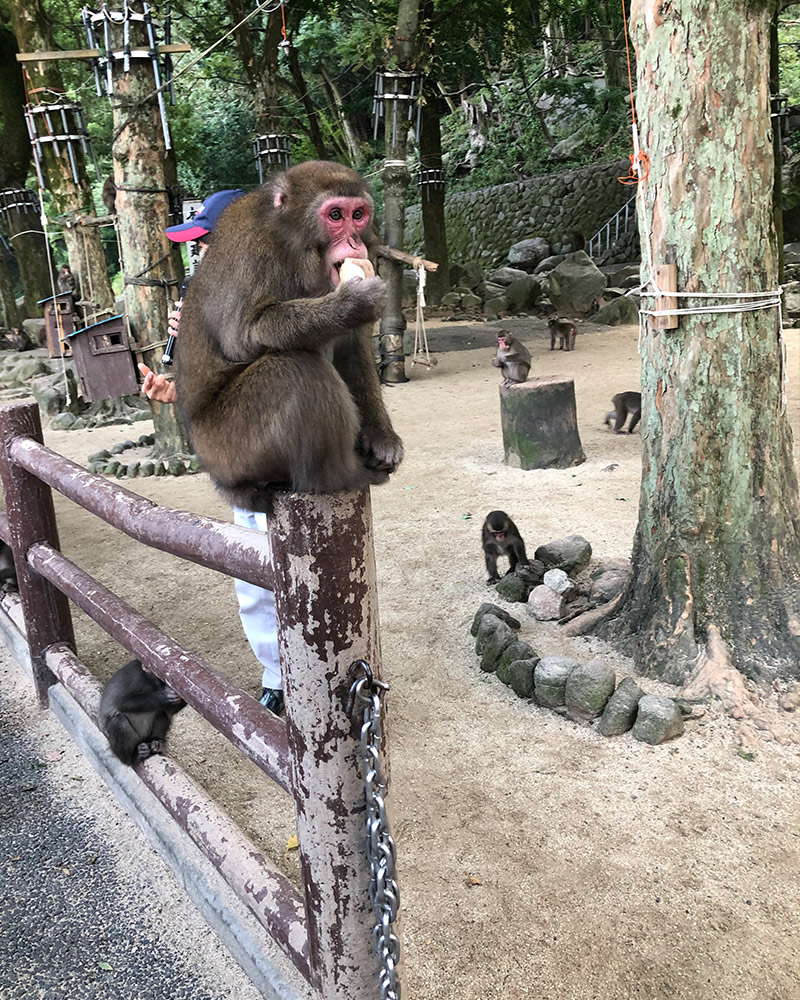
(326, 601)
(32, 518)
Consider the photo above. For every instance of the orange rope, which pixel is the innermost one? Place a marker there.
(640, 162)
(283, 19)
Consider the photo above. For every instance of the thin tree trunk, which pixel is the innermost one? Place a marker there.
(335, 100)
(432, 199)
(314, 131)
(607, 29)
(10, 313)
(71, 198)
(716, 557)
(139, 151)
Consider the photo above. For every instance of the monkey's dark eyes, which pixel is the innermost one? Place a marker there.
(335, 214)
(358, 214)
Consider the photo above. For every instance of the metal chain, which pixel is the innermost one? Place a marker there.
(381, 853)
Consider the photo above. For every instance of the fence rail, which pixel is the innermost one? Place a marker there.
(327, 618)
(619, 224)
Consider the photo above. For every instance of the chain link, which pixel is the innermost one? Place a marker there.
(381, 854)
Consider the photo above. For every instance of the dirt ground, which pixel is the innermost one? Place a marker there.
(537, 858)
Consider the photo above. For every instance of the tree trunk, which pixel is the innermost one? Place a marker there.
(70, 198)
(15, 158)
(610, 40)
(149, 270)
(402, 54)
(8, 303)
(335, 100)
(432, 202)
(314, 130)
(716, 557)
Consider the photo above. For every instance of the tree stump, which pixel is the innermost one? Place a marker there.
(540, 424)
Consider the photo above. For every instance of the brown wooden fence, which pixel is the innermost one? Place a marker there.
(324, 575)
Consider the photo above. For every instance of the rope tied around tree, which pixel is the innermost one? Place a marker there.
(640, 161)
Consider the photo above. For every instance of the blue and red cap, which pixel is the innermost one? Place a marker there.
(206, 219)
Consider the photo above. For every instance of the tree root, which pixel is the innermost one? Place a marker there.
(716, 678)
(590, 619)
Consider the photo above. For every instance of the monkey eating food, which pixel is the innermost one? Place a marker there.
(565, 330)
(501, 538)
(625, 403)
(276, 376)
(513, 357)
(136, 710)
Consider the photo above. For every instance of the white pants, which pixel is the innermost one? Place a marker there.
(257, 611)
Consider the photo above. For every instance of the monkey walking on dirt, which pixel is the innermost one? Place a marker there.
(502, 538)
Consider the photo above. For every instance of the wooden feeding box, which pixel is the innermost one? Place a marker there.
(59, 322)
(103, 360)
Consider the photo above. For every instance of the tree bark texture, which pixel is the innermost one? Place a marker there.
(148, 263)
(261, 66)
(70, 199)
(432, 201)
(717, 548)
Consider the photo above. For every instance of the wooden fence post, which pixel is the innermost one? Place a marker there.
(326, 602)
(31, 518)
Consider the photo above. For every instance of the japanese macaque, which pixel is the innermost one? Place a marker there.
(513, 357)
(625, 403)
(566, 332)
(65, 281)
(109, 195)
(276, 376)
(501, 538)
(136, 710)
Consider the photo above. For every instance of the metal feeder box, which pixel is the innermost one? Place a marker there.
(59, 322)
(104, 360)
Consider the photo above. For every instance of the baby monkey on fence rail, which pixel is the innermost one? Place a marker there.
(513, 357)
(566, 332)
(625, 403)
(136, 710)
(501, 538)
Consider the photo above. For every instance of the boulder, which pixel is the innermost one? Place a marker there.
(618, 312)
(557, 580)
(492, 609)
(468, 274)
(545, 605)
(547, 265)
(620, 711)
(516, 651)
(575, 285)
(658, 719)
(519, 676)
(494, 637)
(503, 276)
(523, 293)
(518, 585)
(470, 301)
(496, 305)
(606, 587)
(588, 688)
(526, 254)
(550, 679)
(572, 554)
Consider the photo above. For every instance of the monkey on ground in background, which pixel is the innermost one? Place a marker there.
(276, 376)
(136, 710)
(625, 403)
(565, 330)
(513, 357)
(501, 538)
(109, 195)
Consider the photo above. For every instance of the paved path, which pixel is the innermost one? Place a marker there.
(87, 910)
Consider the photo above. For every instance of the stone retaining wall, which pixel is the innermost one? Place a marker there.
(483, 224)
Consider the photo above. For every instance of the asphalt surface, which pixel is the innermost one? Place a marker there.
(87, 910)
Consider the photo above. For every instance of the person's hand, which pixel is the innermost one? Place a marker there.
(174, 319)
(157, 387)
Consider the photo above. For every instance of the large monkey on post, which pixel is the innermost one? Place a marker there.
(275, 374)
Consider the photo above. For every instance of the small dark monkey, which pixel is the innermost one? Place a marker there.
(109, 195)
(501, 538)
(66, 279)
(136, 710)
(566, 332)
(514, 358)
(276, 375)
(625, 403)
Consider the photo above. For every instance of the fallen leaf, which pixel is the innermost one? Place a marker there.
(105, 967)
(292, 843)
(55, 755)
(473, 881)
(746, 754)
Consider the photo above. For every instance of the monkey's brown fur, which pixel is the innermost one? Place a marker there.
(276, 376)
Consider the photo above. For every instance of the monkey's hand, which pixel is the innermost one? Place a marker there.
(380, 449)
(360, 302)
(171, 696)
(497, 363)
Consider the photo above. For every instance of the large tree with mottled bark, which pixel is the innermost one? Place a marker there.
(716, 556)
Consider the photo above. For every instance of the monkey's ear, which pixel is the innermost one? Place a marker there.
(281, 195)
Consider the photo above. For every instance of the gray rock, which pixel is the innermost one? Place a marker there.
(503, 276)
(146, 469)
(133, 469)
(496, 305)
(550, 679)
(512, 587)
(547, 265)
(557, 580)
(659, 719)
(470, 301)
(99, 456)
(617, 313)
(519, 676)
(545, 605)
(492, 609)
(35, 329)
(575, 284)
(606, 587)
(63, 421)
(516, 651)
(146, 440)
(468, 274)
(620, 711)
(175, 467)
(111, 468)
(524, 293)
(572, 554)
(452, 300)
(494, 637)
(589, 687)
(526, 254)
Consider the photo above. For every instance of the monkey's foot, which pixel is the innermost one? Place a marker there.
(492, 580)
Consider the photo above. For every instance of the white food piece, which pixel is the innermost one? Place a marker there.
(350, 271)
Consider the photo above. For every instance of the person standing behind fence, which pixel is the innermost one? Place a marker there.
(256, 604)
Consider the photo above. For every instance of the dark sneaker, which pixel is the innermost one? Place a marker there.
(272, 698)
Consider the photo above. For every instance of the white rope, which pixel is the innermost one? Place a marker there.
(420, 334)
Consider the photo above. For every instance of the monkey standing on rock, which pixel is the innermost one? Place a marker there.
(136, 710)
(565, 330)
(625, 403)
(513, 357)
(276, 375)
(501, 538)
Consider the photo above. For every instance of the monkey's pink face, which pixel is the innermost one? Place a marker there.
(344, 221)
(501, 343)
